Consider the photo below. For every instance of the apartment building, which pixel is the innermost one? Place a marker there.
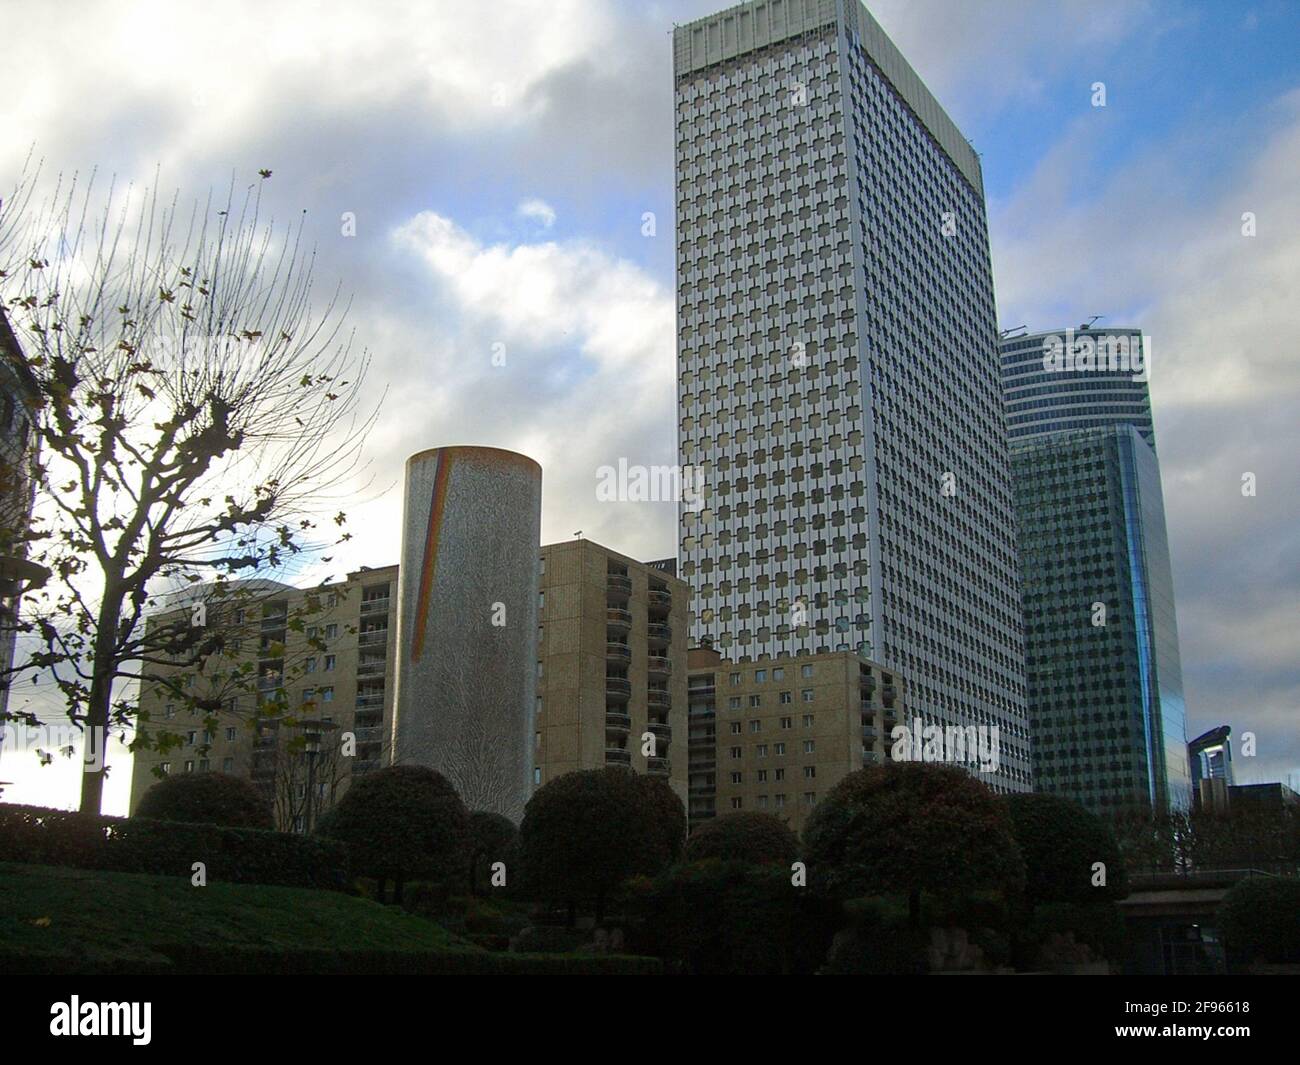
(777, 735)
(299, 700)
(611, 664)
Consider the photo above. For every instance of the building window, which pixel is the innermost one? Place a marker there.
(733, 703)
(230, 734)
(806, 671)
(761, 750)
(755, 700)
(778, 674)
(809, 772)
(189, 766)
(808, 746)
(227, 765)
(780, 801)
(735, 728)
(736, 778)
(537, 774)
(807, 720)
(327, 695)
(735, 752)
(810, 798)
(756, 726)
(331, 631)
(329, 662)
(309, 666)
(734, 679)
(787, 722)
(787, 697)
(807, 694)
(166, 767)
(780, 774)
(736, 803)
(780, 748)
(760, 675)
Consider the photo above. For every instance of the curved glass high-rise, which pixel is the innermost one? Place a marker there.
(1104, 679)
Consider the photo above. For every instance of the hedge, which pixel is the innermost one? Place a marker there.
(41, 836)
(307, 961)
(1260, 919)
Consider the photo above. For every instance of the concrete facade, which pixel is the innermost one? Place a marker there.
(775, 736)
(467, 622)
(611, 664)
(837, 365)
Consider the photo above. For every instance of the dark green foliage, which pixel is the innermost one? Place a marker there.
(402, 823)
(1060, 841)
(754, 838)
(879, 941)
(206, 799)
(492, 838)
(587, 832)
(1099, 925)
(712, 917)
(908, 828)
(1260, 919)
(168, 848)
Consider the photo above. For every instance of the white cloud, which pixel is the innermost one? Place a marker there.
(538, 211)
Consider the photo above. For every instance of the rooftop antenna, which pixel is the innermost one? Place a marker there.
(1014, 329)
(1089, 323)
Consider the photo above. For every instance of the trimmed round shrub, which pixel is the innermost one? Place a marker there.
(908, 828)
(1060, 841)
(1260, 919)
(402, 823)
(492, 838)
(585, 833)
(753, 838)
(206, 799)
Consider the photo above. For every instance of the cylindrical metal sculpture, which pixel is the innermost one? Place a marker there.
(467, 622)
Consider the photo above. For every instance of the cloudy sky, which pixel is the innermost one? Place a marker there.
(500, 158)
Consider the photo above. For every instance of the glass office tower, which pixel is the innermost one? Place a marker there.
(837, 362)
(1106, 707)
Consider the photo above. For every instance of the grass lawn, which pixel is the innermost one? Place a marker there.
(64, 920)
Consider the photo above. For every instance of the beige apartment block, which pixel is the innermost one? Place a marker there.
(776, 735)
(316, 708)
(611, 681)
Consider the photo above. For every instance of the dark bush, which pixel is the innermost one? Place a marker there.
(729, 918)
(206, 799)
(754, 838)
(1060, 841)
(402, 823)
(41, 836)
(1260, 919)
(492, 838)
(879, 941)
(587, 832)
(911, 827)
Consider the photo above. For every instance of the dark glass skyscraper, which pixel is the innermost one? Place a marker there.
(837, 363)
(1104, 679)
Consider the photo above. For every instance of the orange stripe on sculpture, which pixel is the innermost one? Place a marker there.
(441, 476)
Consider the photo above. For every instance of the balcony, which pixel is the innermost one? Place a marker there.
(660, 599)
(618, 617)
(364, 701)
(374, 638)
(657, 632)
(617, 652)
(619, 585)
(888, 693)
(370, 734)
(617, 722)
(365, 765)
(659, 666)
(657, 766)
(371, 667)
(870, 732)
(618, 688)
(618, 756)
(661, 730)
(868, 683)
(375, 606)
(659, 697)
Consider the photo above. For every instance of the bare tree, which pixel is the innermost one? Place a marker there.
(198, 412)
